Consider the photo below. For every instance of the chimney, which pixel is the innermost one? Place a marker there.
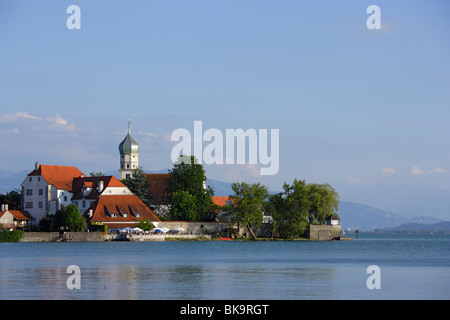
(37, 166)
(100, 186)
(3, 207)
(91, 213)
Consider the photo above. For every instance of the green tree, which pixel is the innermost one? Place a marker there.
(275, 207)
(323, 201)
(184, 207)
(291, 209)
(96, 174)
(146, 225)
(69, 218)
(46, 223)
(188, 175)
(247, 206)
(139, 185)
(13, 199)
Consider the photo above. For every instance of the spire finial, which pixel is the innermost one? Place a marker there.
(129, 124)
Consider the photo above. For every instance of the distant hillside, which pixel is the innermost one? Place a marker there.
(10, 180)
(362, 217)
(443, 226)
(366, 218)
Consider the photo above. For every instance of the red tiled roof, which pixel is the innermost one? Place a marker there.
(119, 204)
(220, 201)
(92, 182)
(59, 176)
(19, 215)
(158, 184)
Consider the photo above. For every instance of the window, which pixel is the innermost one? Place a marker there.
(114, 215)
(138, 215)
(41, 192)
(65, 198)
(84, 204)
(30, 179)
(40, 205)
(29, 192)
(128, 166)
(39, 178)
(125, 215)
(28, 205)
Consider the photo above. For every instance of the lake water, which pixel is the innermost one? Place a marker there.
(411, 267)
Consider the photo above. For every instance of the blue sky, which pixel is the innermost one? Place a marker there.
(364, 110)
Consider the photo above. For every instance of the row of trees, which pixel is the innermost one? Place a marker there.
(292, 210)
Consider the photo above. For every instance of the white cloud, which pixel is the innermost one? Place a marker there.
(149, 134)
(387, 170)
(416, 170)
(57, 122)
(24, 122)
(17, 116)
(437, 170)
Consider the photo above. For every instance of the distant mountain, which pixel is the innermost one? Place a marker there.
(362, 217)
(10, 180)
(443, 226)
(366, 218)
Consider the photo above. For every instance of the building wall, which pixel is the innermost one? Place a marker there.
(31, 195)
(7, 218)
(324, 232)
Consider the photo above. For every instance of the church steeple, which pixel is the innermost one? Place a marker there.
(129, 155)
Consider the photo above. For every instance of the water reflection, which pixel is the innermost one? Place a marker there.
(210, 270)
(168, 282)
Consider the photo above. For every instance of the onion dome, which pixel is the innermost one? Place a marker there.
(128, 145)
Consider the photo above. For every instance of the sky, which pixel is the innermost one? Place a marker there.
(365, 110)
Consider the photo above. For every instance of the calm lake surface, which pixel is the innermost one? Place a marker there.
(412, 267)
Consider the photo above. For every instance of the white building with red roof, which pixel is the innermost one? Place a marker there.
(99, 199)
(12, 219)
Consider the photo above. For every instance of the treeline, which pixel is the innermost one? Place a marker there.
(292, 210)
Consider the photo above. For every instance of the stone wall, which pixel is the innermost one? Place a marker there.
(68, 236)
(324, 232)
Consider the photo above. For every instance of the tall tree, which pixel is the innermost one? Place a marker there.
(291, 209)
(323, 201)
(13, 199)
(247, 206)
(69, 218)
(139, 185)
(190, 176)
(184, 207)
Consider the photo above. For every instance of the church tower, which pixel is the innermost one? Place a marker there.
(129, 158)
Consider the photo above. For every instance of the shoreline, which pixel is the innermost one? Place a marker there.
(101, 237)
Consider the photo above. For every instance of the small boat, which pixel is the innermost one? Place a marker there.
(224, 239)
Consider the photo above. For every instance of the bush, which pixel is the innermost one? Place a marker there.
(98, 227)
(11, 236)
